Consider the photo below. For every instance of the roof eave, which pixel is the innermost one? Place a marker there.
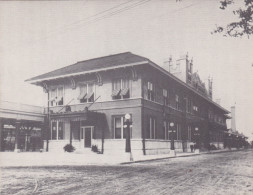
(36, 81)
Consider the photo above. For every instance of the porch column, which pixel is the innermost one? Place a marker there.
(17, 136)
(1, 133)
(70, 137)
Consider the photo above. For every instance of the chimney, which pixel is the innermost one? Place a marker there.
(167, 64)
(233, 125)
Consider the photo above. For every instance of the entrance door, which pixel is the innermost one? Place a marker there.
(86, 135)
(184, 144)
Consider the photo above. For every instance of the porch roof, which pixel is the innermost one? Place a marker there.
(78, 116)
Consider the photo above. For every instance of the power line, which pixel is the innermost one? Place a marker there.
(87, 18)
(86, 21)
(116, 12)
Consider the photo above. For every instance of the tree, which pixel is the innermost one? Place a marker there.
(244, 26)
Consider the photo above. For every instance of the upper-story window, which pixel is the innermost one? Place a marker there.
(165, 97)
(195, 108)
(189, 105)
(177, 102)
(86, 92)
(151, 94)
(56, 96)
(120, 88)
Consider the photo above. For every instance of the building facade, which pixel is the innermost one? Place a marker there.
(21, 127)
(87, 102)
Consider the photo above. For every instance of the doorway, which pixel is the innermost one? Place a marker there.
(86, 135)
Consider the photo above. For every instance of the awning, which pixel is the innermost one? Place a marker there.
(82, 95)
(90, 95)
(58, 99)
(124, 91)
(87, 117)
(52, 99)
(115, 92)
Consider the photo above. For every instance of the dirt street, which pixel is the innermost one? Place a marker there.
(221, 173)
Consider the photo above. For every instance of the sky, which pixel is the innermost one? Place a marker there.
(40, 36)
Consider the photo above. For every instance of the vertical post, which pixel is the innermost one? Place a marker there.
(127, 124)
(70, 137)
(128, 144)
(70, 132)
(1, 134)
(49, 123)
(17, 136)
(172, 147)
(143, 132)
(184, 133)
(172, 140)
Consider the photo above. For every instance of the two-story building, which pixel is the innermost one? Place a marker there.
(89, 99)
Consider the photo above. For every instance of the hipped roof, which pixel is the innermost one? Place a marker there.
(93, 64)
(106, 63)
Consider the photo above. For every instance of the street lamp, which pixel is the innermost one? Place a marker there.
(172, 147)
(197, 136)
(127, 124)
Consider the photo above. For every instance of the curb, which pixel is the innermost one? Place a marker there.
(154, 159)
(163, 158)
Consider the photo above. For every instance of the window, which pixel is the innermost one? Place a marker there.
(151, 94)
(195, 108)
(151, 128)
(56, 96)
(178, 132)
(177, 102)
(54, 130)
(169, 132)
(165, 97)
(118, 127)
(57, 130)
(189, 106)
(120, 89)
(189, 133)
(86, 92)
(119, 131)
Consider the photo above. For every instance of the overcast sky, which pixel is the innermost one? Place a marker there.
(38, 37)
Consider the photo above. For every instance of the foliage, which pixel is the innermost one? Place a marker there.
(244, 26)
(94, 148)
(69, 148)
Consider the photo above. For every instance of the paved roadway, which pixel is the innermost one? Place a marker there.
(220, 173)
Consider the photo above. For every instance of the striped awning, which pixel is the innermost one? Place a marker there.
(115, 92)
(82, 95)
(89, 95)
(124, 91)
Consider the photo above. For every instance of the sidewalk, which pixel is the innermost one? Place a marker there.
(12, 159)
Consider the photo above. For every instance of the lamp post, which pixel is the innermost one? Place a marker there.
(229, 141)
(127, 124)
(197, 136)
(172, 147)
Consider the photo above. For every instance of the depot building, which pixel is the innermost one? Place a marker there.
(87, 102)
